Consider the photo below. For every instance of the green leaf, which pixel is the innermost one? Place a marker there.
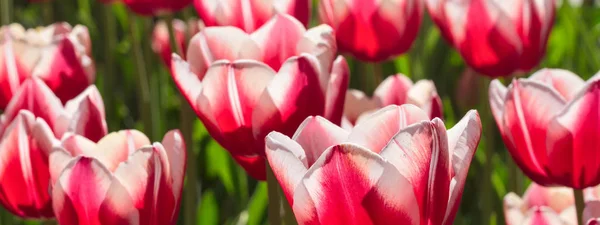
(258, 204)
(208, 211)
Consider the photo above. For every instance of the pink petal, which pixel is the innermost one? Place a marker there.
(161, 42)
(84, 115)
(175, 150)
(315, 135)
(565, 82)
(24, 175)
(288, 162)
(529, 108)
(557, 198)
(375, 131)
(591, 212)
(497, 98)
(424, 95)
(571, 135)
(12, 71)
(513, 209)
(535, 35)
(420, 153)
(543, 216)
(216, 43)
(231, 94)
(336, 90)
(36, 97)
(463, 140)
(117, 146)
(393, 90)
(87, 194)
(354, 182)
(253, 164)
(247, 16)
(320, 42)
(300, 9)
(278, 38)
(292, 95)
(356, 104)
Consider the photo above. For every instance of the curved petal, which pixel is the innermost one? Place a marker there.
(497, 97)
(288, 162)
(86, 194)
(420, 153)
(176, 153)
(231, 94)
(253, 164)
(336, 90)
(24, 175)
(36, 97)
(565, 82)
(591, 212)
(293, 95)
(354, 182)
(543, 215)
(216, 43)
(424, 95)
(12, 70)
(513, 209)
(463, 140)
(315, 135)
(320, 42)
(84, 115)
(529, 108)
(300, 9)
(556, 198)
(393, 90)
(278, 39)
(376, 130)
(356, 104)
(115, 147)
(246, 15)
(571, 135)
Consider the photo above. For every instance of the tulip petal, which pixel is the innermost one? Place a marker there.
(543, 215)
(24, 174)
(11, 69)
(84, 115)
(375, 131)
(320, 42)
(216, 43)
(278, 39)
(115, 147)
(299, 9)
(248, 15)
(565, 82)
(288, 162)
(253, 164)
(591, 212)
(336, 90)
(463, 139)
(529, 108)
(513, 209)
(571, 135)
(424, 95)
(36, 97)
(87, 194)
(292, 95)
(354, 182)
(231, 92)
(315, 135)
(420, 153)
(497, 97)
(393, 90)
(356, 104)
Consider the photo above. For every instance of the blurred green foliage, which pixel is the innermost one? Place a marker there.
(226, 194)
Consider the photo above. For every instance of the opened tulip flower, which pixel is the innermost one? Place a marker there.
(497, 37)
(549, 124)
(541, 206)
(373, 30)
(394, 167)
(160, 37)
(249, 15)
(244, 86)
(394, 90)
(121, 179)
(57, 54)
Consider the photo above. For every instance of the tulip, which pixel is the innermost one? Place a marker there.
(496, 38)
(394, 90)
(121, 179)
(394, 167)
(250, 15)
(244, 86)
(83, 114)
(373, 30)
(549, 125)
(541, 206)
(154, 7)
(160, 37)
(57, 54)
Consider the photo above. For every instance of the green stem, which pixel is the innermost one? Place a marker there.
(579, 205)
(110, 42)
(288, 215)
(274, 207)
(489, 133)
(50, 222)
(6, 11)
(377, 74)
(145, 108)
(172, 39)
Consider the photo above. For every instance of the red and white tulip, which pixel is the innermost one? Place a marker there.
(541, 206)
(394, 90)
(250, 15)
(549, 124)
(244, 86)
(373, 30)
(160, 37)
(121, 179)
(496, 37)
(58, 54)
(394, 167)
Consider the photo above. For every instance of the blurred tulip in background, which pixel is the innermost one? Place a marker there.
(183, 31)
